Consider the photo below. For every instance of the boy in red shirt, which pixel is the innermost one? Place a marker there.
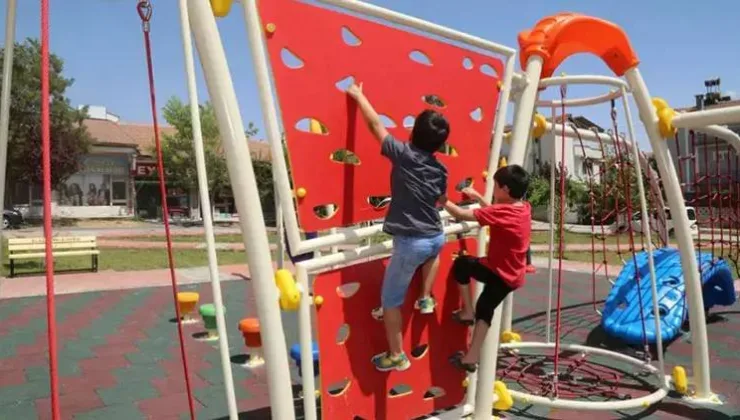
(502, 271)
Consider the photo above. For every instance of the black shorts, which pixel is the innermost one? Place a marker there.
(495, 289)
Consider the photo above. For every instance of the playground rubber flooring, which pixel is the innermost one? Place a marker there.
(119, 355)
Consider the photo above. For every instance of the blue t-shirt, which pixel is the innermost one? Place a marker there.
(418, 180)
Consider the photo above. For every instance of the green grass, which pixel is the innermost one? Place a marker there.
(128, 259)
(227, 238)
(543, 238)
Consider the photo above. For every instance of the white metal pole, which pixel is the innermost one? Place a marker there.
(280, 230)
(205, 202)
(646, 231)
(490, 347)
(519, 136)
(304, 340)
(246, 196)
(10, 19)
(523, 121)
(699, 343)
(551, 243)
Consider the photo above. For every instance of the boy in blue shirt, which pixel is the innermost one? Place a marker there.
(418, 184)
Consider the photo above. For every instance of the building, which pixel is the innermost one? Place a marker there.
(704, 162)
(578, 159)
(118, 178)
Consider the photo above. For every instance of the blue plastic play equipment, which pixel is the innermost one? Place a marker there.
(295, 354)
(301, 257)
(621, 314)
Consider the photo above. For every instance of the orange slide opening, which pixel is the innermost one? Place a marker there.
(560, 36)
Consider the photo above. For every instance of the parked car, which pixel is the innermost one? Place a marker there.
(690, 212)
(12, 219)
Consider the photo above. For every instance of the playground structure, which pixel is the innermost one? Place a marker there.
(475, 83)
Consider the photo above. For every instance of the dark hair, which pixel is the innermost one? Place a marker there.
(515, 178)
(430, 131)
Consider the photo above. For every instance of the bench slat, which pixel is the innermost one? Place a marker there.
(56, 254)
(38, 247)
(55, 239)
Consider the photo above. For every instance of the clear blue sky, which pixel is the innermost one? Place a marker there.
(680, 44)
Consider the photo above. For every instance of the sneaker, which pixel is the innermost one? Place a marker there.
(426, 305)
(531, 269)
(384, 362)
(377, 313)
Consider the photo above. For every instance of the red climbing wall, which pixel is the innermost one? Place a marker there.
(318, 57)
(349, 337)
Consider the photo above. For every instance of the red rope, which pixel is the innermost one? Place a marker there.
(710, 197)
(560, 242)
(46, 166)
(145, 13)
(604, 195)
(698, 196)
(720, 197)
(592, 210)
(627, 184)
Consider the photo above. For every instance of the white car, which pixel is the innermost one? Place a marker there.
(690, 212)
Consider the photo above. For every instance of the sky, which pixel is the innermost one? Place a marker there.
(680, 44)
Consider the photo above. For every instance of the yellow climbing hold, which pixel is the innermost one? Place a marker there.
(465, 383)
(221, 8)
(290, 296)
(270, 28)
(680, 380)
(301, 192)
(318, 301)
(484, 174)
(665, 118)
(510, 337)
(540, 126)
(505, 401)
(502, 162)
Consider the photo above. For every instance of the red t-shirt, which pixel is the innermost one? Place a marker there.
(510, 229)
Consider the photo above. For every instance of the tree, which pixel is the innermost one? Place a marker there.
(179, 157)
(69, 137)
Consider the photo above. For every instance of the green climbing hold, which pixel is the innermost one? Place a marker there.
(208, 312)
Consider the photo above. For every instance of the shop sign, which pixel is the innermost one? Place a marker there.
(104, 165)
(148, 170)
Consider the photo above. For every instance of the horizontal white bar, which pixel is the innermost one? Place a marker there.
(358, 253)
(584, 80)
(588, 101)
(696, 119)
(350, 235)
(422, 25)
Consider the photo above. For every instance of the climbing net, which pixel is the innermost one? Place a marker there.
(709, 172)
(583, 377)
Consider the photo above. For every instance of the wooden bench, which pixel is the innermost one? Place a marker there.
(62, 246)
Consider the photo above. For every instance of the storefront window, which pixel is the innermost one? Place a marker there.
(120, 191)
(102, 182)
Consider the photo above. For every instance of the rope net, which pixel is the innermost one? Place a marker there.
(708, 170)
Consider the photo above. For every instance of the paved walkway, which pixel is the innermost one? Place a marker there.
(69, 283)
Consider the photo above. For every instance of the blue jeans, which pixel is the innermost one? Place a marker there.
(409, 252)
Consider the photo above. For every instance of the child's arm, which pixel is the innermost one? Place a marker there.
(460, 213)
(368, 112)
(475, 195)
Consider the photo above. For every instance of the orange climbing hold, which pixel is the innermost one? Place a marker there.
(557, 37)
(250, 328)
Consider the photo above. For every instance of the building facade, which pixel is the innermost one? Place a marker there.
(118, 178)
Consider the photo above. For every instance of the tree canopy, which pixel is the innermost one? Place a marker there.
(179, 157)
(69, 137)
